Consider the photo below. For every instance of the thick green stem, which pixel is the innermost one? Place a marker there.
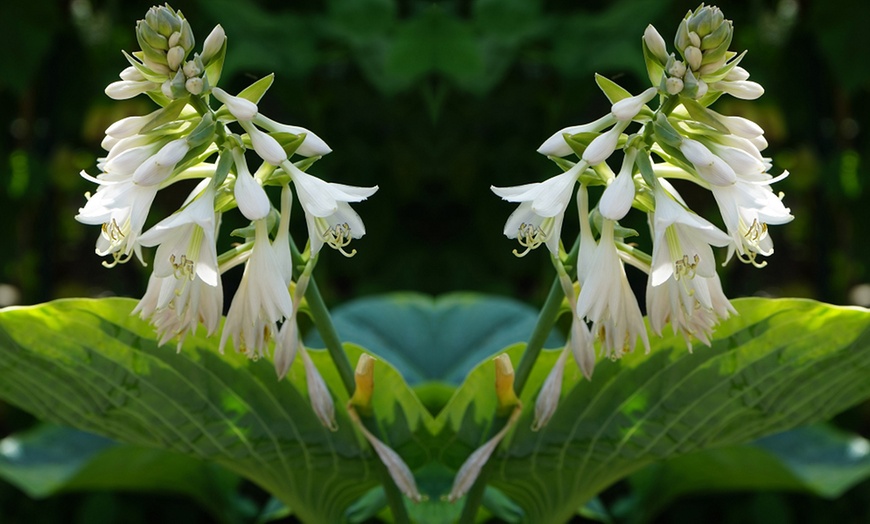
(546, 319)
(323, 322)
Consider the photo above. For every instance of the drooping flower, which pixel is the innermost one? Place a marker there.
(683, 286)
(328, 214)
(261, 301)
(538, 219)
(607, 301)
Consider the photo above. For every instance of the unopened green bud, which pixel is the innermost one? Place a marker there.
(174, 57)
(682, 41)
(192, 68)
(701, 20)
(213, 43)
(693, 57)
(690, 85)
(194, 85)
(673, 85)
(718, 36)
(676, 68)
(187, 41)
(167, 21)
(655, 43)
(150, 36)
(694, 39)
(174, 38)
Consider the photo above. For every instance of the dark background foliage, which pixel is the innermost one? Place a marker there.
(434, 102)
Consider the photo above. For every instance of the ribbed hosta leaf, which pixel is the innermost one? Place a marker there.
(777, 365)
(90, 365)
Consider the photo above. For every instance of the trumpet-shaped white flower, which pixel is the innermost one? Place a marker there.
(261, 301)
(185, 287)
(328, 214)
(747, 207)
(683, 286)
(607, 301)
(121, 207)
(539, 218)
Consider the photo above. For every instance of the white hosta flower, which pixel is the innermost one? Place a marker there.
(121, 207)
(312, 145)
(261, 301)
(628, 108)
(250, 195)
(587, 239)
(286, 347)
(709, 166)
(556, 144)
(328, 214)
(619, 194)
(607, 301)
(747, 207)
(185, 288)
(744, 164)
(538, 220)
(683, 286)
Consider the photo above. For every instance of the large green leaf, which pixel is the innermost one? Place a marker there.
(777, 365)
(821, 459)
(90, 365)
(50, 459)
(435, 339)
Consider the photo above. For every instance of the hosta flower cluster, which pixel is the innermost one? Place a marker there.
(681, 138)
(202, 133)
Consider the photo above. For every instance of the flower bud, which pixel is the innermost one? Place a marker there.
(194, 85)
(737, 73)
(157, 168)
(628, 108)
(250, 196)
(213, 43)
(548, 397)
(132, 74)
(286, 344)
(396, 467)
(364, 378)
(655, 43)
(619, 194)
(556, 144)
(693, 57)
(603, 145)
(694, 39)
(470, 469)
(709, 166)
(124, 89)
(174, 57)
(582, 347)
(504, 384)
(742, 89)
(318, 393)
(266, 147)
(677, 69)
(241, 108)
(673, 86)
(192, 69)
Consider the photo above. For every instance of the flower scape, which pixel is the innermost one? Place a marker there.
(187, 139)
(682, 139)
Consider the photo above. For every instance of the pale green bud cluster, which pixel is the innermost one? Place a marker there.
(702, 64)
(166, 64)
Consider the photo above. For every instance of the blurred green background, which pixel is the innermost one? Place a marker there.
(434, 102)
